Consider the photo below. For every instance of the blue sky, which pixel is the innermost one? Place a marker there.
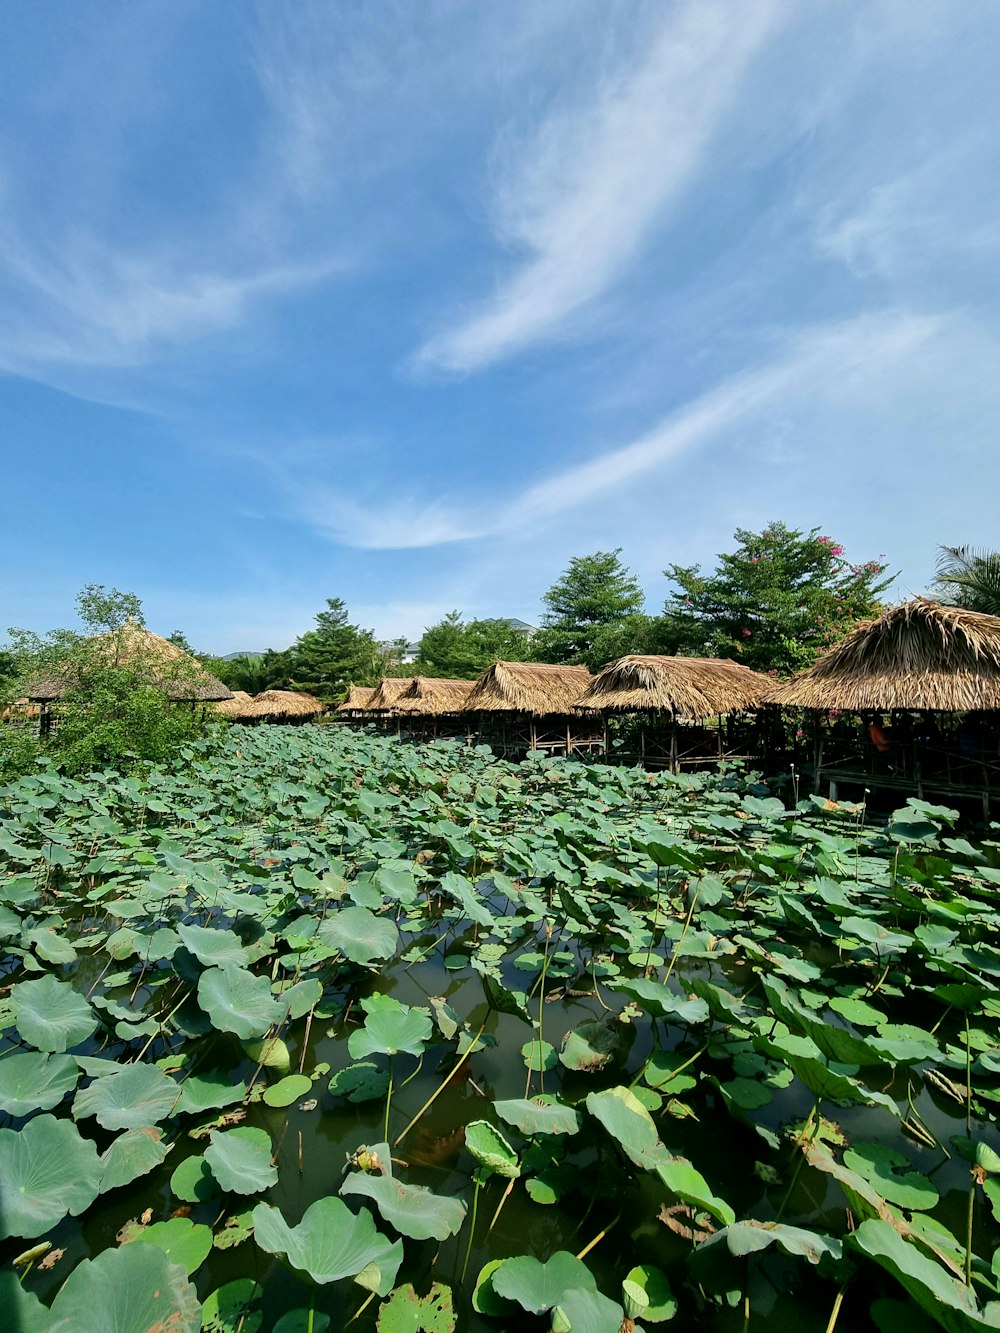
(410, 303)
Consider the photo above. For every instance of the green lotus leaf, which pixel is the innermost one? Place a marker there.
(51, 1014)
(948, 1301)
(363, 1082)
(414, 1210)
(390, 1028)
(330, 1243)
(46, 1171)
(589, 1311)
(490, 1149)
(271, 1053)
(183, 1242)
(209, 1092)
(287, 1090)
(193, 1181)
(630, 1125)
(859, 1013)
(49, 946)
(536, 1286)
(462, 890)
(684, 1180)
(131, 1098)
(743, 1238)
(235, 1307)
(240, 1160)
(589, 1046)
(302, 1321)
(661, 1304)
(540, 1115)
(538, 1055)
(35, 1081)
(214, 946)
(360, 935)
(892, 1175)
(662, 1002)
(237, 1001)
(23, 1311)
(133, 1154)
(406, 1312)
(301, 997)
(484, 1298)
(129, 1290)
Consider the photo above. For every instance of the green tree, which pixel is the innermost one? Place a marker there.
(180, 640)
(776, 602)
(497, 640)
(969, 578)
(105, 609)
(335, 654)
(595, 591)
(444, 650)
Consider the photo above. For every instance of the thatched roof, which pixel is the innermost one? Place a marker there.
(163, 665)
(528, 687)
(691, 687)
(431, 697)
(387, 693)
(285, 703)
(236, 707)
(920, 655)
(358, 698)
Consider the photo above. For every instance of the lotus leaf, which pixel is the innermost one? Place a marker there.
(330, 1243)
(892, 1175)
(360, 935)
(661, 1304)
(536, 1286)
(589, 1046)
(363, 1082)
(414, 1210)
(35, 1081)
(390, 1028)
(491, 1150)
(51, 1014)
(287, 1090)
(46, 1171)
(181, 1240)
(237, 1001)
(23, 1311)
(234, 1307)
(213, 946)
(406, 1312)
(662, 1002)
(133, 1154)
(209, 1092)
(541, 1115)
(240, 1160)
(131, 1098)
(130, 1290)
(193, 1181)
(946, 1299)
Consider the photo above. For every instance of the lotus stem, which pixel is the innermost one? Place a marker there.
(438, 1091)
(472, 1228)
(388, 1099)
(599, 1237)
(680, 942)
(835, 1312)
(362, 1307)
(968, 1233)
(968, 1077)
(503, 1199)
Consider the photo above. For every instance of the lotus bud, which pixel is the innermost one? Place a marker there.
(560, 1320)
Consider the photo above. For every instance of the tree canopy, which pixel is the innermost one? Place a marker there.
(325, 660)
(593, 593)
(776, 602)
(969, 578)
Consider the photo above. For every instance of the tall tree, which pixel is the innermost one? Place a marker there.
(336, 653)
(776, 602)
(969, 578)
(462, 650)
(594, 592)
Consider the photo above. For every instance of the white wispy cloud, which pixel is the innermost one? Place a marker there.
(599, 173)
(823, 361)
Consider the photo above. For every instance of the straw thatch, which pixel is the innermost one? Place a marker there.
(235, 708)
(387, 693)
(528, 687)
(162, 664)
(690, 688)
(20, 710)
(920, 655)
(430, 697)
(285, 704)
(358, 699)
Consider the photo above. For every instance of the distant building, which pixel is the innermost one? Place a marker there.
(522, 625)
(232, 657)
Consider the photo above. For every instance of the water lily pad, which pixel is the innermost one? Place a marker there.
(390, 1028)
(287, 1090)
(35, 1081)
(892, 1175)
(134, 1097)
(331, 1243)
(51, 1015)
(46, 1171)
(128, 1290)
(240, 1160)
(414, 1210)
(237, 1001)
(130, 1156)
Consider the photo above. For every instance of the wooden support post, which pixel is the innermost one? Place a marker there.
(675, 766)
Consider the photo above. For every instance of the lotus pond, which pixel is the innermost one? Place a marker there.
(313, 1029)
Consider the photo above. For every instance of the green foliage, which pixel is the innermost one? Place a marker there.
(776, 602)
(596, 592)
(458, 650)
(325, 660)
(969, 578)
(114, 719)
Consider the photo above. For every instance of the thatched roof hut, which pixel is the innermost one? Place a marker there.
(528, 687)
(358, 699)
(161, 663)
(285, 704)
(920, 655)
(689, 688)
(387, 693)
(235, 708)
(431, 697)
(20, 710)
